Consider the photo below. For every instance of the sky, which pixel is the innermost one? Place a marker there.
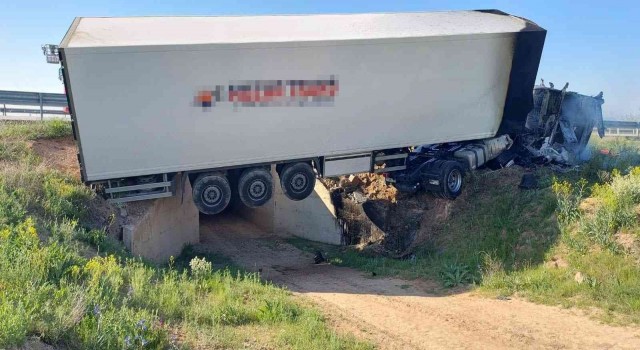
(593, 45)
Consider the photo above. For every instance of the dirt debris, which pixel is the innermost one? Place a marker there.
(375, 187)
(391, 223)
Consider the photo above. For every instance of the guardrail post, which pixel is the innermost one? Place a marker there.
(41, 107)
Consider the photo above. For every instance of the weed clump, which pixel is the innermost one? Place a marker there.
(455, 274)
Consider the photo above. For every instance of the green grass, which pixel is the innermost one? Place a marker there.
(600, 271)
(54, 285)
(14, 137)
(35, 130)
(611, 284)
(559, 245)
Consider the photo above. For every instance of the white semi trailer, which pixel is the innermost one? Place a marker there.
(219, 99)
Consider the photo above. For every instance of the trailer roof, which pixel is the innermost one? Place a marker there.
(151, 31)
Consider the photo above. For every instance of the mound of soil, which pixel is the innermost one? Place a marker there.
(374, 187)
(390, 223)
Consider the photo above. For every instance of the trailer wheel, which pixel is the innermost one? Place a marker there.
(211, 193)
(451, 179)
(255, 187)
(297, 180)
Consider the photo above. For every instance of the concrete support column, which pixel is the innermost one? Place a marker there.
(165, 226)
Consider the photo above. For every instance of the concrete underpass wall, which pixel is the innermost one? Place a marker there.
(313, 218)
(162, 227)
(165, 226)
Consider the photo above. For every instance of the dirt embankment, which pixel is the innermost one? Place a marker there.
(61, 154)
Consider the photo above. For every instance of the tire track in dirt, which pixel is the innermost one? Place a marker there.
(399, 314)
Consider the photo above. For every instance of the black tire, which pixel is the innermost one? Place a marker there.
(255, 187)
(211, 193)
(297, 180)
(451, 179)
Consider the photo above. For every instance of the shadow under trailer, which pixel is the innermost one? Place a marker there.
(222, 99)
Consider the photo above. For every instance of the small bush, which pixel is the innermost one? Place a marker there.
(275, 311)
(60, 313)
(120, 328)
(13, 322)
(54, 129)
(616, 209)
(14, 150)
(200, 267)
(568, 199)
(454, 274)
(101, 241)
(12, 209)
(43, 192)
(63, 198)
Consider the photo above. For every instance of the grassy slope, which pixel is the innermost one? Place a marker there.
(588, 266)
(55, 287)
(479, 228)
(534, 243)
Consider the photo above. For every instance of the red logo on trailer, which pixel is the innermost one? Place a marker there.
(271, 93)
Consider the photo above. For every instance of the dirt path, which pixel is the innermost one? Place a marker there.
(399, 314)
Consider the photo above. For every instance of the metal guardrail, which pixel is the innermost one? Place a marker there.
(621, 124)
(622, 128)
(43, 100)
(623, 132)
